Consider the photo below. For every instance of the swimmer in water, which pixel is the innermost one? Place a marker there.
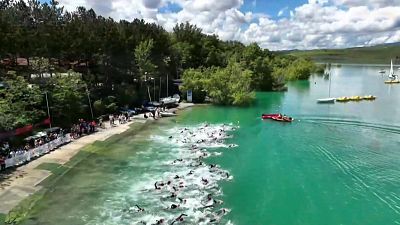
(173, 206)
(222, 211)
(177, 160)
(181, 200)
(139, 209)
(173, 195)
(179, 218)
(161, 221)
(156, 187)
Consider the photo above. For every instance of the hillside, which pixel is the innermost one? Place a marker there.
(380, 54)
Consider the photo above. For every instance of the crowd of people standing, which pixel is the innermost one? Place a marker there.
(122, 119)
(82, 127)
(8, 151)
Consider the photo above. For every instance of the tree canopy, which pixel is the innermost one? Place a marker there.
(114, 59)
(22, 99)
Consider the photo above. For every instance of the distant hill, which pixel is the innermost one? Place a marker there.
(379, 54)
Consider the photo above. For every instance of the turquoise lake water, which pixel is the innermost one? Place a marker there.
(335, 164)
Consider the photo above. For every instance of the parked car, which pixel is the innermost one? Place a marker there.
(130, 112)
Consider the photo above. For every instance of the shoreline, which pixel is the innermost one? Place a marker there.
(25, 181)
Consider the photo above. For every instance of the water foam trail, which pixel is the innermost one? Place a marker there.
(354, 123)
(179, 184)
(348, 169)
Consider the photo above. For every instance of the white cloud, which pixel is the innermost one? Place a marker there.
(371, 3)
(316, 24)
(282, 11)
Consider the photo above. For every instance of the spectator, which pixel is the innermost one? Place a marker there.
(2, 163)
(92, 126)
(101, 122)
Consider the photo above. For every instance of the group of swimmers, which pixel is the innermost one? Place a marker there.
(177, 191)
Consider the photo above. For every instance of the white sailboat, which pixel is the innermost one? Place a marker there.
(394, 79)
(329, 99)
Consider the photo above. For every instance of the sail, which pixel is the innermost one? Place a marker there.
(330, 80)
(391, 72)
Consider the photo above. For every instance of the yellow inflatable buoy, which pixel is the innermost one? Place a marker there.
(343, 99)
(369, 97)
(392, 81)
(355, 98)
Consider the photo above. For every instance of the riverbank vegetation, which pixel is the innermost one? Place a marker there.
(70, 56)
(226, 86)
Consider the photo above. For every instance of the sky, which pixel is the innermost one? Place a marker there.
(273, 24)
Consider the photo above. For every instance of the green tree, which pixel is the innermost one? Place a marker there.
(225, 86)
(256, 60)
(300, 69)
(231, 85)
(20, 103)
(143, 57)
(196, 81)
(68, 100)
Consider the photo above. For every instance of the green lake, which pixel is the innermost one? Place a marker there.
(336, 164)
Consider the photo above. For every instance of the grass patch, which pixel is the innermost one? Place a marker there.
(52, 167)
(3, 217)
(20, 212)
(23, 209)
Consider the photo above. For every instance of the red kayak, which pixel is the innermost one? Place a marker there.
(282, 119)
(268, 116)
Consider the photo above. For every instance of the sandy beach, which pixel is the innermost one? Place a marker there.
(25, 180)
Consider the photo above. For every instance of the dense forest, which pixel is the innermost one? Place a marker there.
(46, 52)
